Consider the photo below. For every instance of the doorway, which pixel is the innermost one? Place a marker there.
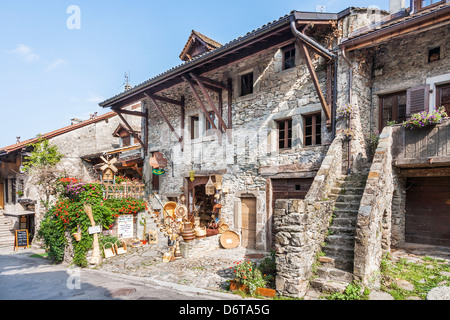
(248, 212)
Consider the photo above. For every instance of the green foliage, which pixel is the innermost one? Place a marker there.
(425, 118)
(353, 292)
(43, 155)
(268, 268)
(248, 273)
(67, 216)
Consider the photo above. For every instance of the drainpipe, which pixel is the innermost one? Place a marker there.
(349, 99)
(312, 43)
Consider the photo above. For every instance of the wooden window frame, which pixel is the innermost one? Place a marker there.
(192, 122)
(249, 90)
(394, 114)
(418, 5)
(313, 125)
(439, 96)
(208, 126)
(286, 50)
(284, 138)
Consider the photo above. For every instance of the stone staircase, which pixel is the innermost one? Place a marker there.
(336, 270)
(6, 233)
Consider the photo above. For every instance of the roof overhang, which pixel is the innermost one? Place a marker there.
(418, 23)
(278, 31)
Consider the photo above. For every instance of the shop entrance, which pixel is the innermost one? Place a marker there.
(248, 212)
(201, 205)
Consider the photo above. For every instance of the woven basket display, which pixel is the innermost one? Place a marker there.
(169, 208)
(229, 239)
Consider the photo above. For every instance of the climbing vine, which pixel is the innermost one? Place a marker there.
(67, 216)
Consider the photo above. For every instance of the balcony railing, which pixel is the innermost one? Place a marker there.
(124, 190)
(423, 147)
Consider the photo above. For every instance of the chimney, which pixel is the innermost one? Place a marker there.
(396, 6)
(18, 139)
(75, 121)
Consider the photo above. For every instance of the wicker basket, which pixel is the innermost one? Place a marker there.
(223, 227)
(170, 207)
(230, 239)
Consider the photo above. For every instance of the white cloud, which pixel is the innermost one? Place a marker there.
(57, 63)
(25, 52)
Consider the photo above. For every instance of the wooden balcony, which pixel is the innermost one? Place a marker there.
(422, 148)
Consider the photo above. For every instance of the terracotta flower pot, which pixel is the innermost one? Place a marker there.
(266, 292)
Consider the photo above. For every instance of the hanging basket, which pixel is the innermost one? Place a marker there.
(77, 236)
(209, 188)
(169, 208)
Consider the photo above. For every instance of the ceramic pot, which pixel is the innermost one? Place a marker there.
(188, 233)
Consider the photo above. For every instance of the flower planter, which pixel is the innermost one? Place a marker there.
(266, 292)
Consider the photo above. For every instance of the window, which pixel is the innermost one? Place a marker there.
(284, 134)
(212, 116)
(422, 4)
(194, 127)
(434, 54)
(312, 129)
(288, 57)
(126, 141)
(443, 97)
(392, 108)
(247, 84)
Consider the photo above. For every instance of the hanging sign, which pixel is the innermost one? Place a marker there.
(158, 160)
(94, 229)
(158, 172)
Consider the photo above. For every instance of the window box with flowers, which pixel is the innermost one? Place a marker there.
(425, 119)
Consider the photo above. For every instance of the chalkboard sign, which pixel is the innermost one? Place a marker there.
(21, 239)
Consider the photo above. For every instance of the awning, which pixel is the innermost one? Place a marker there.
(19, 213)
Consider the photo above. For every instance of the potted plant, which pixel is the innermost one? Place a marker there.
(249, 278)
(19, 193)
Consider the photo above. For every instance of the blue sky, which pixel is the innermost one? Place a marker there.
(51, 73)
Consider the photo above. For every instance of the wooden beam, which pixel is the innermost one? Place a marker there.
(164, 99)
(208, 97)
(212, 82)
(213, 125)
(119, 113)
(132, 113)
(312, 72)
(164, 116)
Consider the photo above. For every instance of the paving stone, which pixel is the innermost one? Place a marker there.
(439, 293)
(380, 295)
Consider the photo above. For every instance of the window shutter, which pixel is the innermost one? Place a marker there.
(417, 99)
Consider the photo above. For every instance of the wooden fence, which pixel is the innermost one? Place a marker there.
(124, 190)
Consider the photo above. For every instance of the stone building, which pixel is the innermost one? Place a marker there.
(81, 143)
(259, 113)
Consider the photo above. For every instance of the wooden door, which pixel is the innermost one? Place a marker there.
(248, 211)
(2, 202)
(428, 211)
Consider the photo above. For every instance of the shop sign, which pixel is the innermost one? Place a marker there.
(95, 229)
(158, 172)
(158, 160)
(125, 226)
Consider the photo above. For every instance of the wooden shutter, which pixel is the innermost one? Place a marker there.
(417, 99)
(2, 204)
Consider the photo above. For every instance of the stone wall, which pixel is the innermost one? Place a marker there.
(301, 226)
(373, 226)
(301, 229)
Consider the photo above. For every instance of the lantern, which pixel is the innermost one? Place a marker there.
(192, 174)
(209, 188)
(218, 183)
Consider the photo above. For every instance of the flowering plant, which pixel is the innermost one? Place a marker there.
(248, 273)
(345, 111)
(425, 118)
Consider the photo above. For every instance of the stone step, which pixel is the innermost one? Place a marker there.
(330, 273)
(345, 213)
(347, 205)
(356, 198)
(328, 286)
(349, 222)
(340, 240)
(342, 230)
(343, 190)
(339, 252)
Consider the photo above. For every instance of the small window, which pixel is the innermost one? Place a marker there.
(392, 109)
(288, 57)
(312, 129)
(434, 54)
(247, 84)
(208, 127)
(284, 134)
(126, 141)
(422, 4)
(194, 127)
